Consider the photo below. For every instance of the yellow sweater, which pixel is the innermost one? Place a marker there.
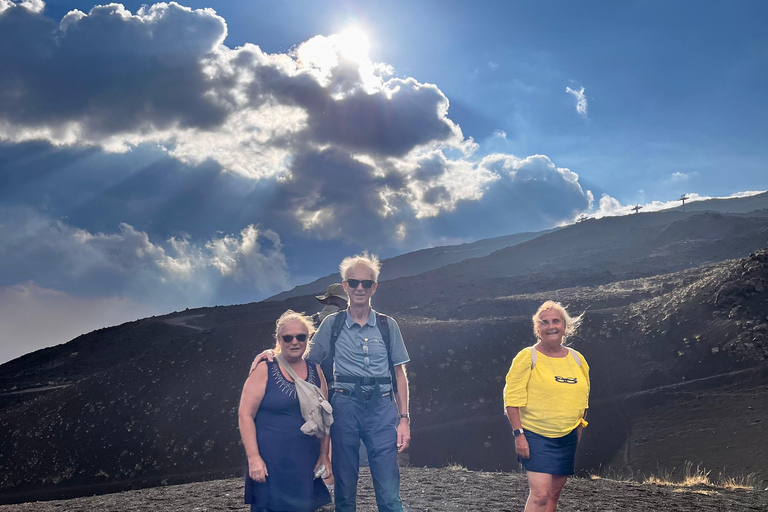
(547, 407)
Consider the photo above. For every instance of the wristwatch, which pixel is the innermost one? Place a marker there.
(406, 416)
(517, 432)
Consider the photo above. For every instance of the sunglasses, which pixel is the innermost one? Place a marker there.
(354, 283)
(566, 380)
(288, 338)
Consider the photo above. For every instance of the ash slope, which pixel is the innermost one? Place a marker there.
(435, 490)
(156, 399)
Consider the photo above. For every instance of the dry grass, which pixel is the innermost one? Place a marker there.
(744, 482)
(692, 477)
(454, 466)
(697, 477)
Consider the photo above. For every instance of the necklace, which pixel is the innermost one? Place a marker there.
(564, 380)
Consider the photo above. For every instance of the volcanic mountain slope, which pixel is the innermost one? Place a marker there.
(730, 205)
(416, 262)
(156, 400)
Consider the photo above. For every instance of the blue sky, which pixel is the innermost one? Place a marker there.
(162, 157)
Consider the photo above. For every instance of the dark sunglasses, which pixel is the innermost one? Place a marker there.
(566, 380)
(288, 338)
(354, 283)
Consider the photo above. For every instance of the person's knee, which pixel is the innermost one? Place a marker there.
(540, 497)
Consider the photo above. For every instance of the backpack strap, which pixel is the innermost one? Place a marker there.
(382, 322)
(574, 355)
(338, 323)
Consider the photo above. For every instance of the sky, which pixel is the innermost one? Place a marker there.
(155, 157)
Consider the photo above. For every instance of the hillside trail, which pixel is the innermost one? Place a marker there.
(181, 321)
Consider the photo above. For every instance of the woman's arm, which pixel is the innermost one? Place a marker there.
(250, 400)
(325, 443)
(521, 443)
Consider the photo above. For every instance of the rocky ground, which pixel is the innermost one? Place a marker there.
(434, 490)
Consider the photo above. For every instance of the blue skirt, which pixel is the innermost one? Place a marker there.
(554, 456)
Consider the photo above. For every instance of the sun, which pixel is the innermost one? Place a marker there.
(352, 44)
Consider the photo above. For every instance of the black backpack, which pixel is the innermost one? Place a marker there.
(382, 322)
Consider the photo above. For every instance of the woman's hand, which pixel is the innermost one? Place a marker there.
(521, 447)
(323, 460)
(268, 354)
(257, 470)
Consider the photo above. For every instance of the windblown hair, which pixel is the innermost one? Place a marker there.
(571, 323)
(369, 260)
(290, 316)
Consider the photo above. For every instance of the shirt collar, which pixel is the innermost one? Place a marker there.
(371, 319)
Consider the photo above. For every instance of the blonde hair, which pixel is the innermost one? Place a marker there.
(291, 316)
(571, 323)
(369, 260)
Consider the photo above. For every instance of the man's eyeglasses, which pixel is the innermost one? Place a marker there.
(566, 380)
(354, 283)
(288, 338)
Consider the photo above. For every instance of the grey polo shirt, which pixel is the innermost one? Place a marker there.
(350, 354)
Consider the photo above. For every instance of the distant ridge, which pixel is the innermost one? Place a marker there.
(417, 262)
(727, 205)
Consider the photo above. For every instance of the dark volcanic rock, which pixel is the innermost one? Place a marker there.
(436, 490)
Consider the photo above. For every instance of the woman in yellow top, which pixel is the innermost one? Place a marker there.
(546, 398)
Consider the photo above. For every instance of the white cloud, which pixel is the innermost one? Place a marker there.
(610, 206)
(35, 6)
(581, 100)
(36, 247)
(679, 177)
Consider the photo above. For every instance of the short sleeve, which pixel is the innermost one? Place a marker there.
(516, 387)
(321, 341)
(585, 371)
(399, 354)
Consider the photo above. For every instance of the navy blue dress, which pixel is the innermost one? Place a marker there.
(289, 454)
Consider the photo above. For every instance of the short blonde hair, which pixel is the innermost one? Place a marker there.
(291, 316)
(369, 260)
(571, 323)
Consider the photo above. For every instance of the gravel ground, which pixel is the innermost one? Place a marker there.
(432, 490)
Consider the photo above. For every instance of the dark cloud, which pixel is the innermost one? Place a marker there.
(331, 195)
(109, 72)
(390, 126)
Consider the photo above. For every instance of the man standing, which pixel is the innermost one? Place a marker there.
(363, 408)
(334, 300)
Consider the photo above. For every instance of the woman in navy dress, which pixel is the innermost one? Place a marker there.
(281, 459)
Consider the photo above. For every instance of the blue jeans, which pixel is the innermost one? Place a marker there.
(377, 427)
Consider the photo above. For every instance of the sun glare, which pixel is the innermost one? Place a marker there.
(352, 43)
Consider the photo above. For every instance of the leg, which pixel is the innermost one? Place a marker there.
(380, 438)
(558, 482)
(545, 491)
(345, 445)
